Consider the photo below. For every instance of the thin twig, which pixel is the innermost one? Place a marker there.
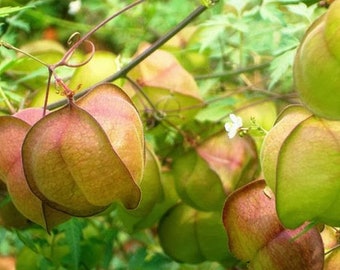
(226, 74)
(134, 62)
(70, 52)
(7, 102)
(139, 90)
(65, 59)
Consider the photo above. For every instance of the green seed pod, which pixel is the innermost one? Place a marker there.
(300, 160)
(317, 65)
(191, 236)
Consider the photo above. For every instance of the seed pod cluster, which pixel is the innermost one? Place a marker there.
(77, 160)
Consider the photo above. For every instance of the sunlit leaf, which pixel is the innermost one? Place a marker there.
(280, 65)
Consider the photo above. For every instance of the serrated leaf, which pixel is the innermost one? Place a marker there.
(302, 10)
(271, 13)
(280, 65)
(216, 111)
(239, 5)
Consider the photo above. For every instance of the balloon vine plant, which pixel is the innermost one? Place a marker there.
(79, 156)
(55, 169)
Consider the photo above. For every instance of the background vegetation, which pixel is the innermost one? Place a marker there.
(240, 54)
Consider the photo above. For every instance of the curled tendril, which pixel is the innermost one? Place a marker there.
(88, 59)
(73, 38)
(74, 42)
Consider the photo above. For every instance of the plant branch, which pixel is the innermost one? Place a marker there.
(156, 45)
(65, 59)
(70, 52)
(11, 47)
(232, 73)
(134, 62)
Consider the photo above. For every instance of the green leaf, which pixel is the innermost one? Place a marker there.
(280, 65)
(73, 235)
(271, 13)
(301, 10)
(22, 25)
(110, 237)
(310, 2)
(216, 110)
(143, 259)
(6, 11)
(27, 240)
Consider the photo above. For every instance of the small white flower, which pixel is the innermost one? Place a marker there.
(74, 7)
(233, 127)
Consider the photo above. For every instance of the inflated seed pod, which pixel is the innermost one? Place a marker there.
(88, 154)
(13, 130)
(300, 159)
(317, 65)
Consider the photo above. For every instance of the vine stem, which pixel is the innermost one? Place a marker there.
(138, 59)
(64, 60)
(223, 75)
(70, 52)
(5, 99)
